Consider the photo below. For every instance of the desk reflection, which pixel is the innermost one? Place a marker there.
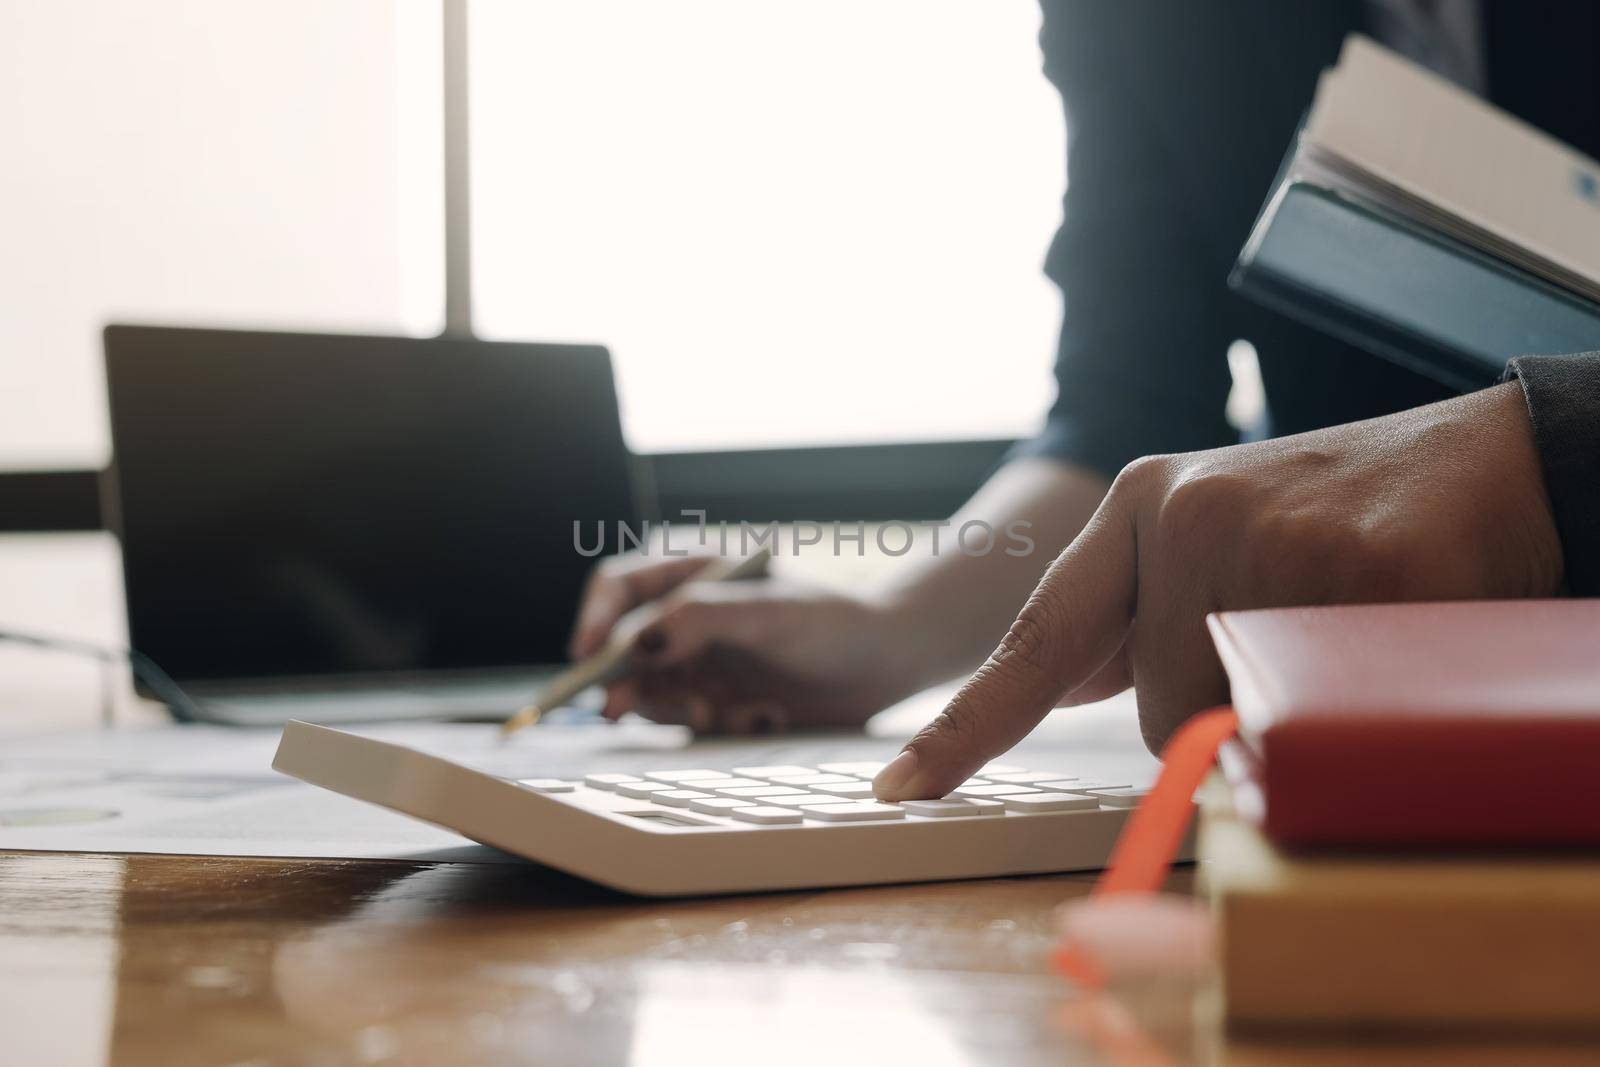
(230, 960)
(187, 960)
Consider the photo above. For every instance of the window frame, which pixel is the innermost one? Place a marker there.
(871, 483)
(909, 481)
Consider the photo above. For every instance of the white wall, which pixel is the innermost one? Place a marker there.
(255, 162)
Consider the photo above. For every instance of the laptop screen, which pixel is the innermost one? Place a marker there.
(301, 505)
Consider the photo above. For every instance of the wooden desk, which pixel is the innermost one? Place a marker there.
(172, 961)
(186, 960)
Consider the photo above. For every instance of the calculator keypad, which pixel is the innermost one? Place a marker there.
(792, 795)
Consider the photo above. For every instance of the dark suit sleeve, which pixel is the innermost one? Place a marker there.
(1563, 395)
(1141, 365)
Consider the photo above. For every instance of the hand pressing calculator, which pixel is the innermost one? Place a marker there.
(679, 832)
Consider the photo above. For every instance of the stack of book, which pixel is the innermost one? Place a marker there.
(1406, 832)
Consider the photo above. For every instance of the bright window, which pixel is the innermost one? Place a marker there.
(793, 223)
(264, 163)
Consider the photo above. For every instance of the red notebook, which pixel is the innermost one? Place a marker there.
(1472, 723)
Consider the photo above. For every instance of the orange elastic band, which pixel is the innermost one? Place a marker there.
(1145, 851)
(1149, 843)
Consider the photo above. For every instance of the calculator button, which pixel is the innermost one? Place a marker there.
(854, 789)
(678, 798)
(990, 790)
(952, 809)
(1026, 777)
(812, 779)
(763, 791)
(1080, 785)
(1120, 798)
(767, 816)
(608, 782)
(860, 769)
(683, 776)
(549, 785)
(1049, 802)
(719, 805)
(640, 790)
(714, 784)
(853, 812)
(773, 771)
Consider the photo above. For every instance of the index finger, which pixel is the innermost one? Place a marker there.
(1071, 626)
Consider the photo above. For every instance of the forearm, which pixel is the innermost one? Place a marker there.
(954, 607)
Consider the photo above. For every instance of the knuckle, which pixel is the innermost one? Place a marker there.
(957, 728)
(1028, 645)
(1138, 477)
(695, 611)
(1203, 501)
(682, 612)
(1290, 554)
(1275, 533)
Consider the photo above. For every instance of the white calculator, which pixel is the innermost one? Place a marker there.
(699, 830)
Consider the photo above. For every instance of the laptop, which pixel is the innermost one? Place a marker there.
(340, 528)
